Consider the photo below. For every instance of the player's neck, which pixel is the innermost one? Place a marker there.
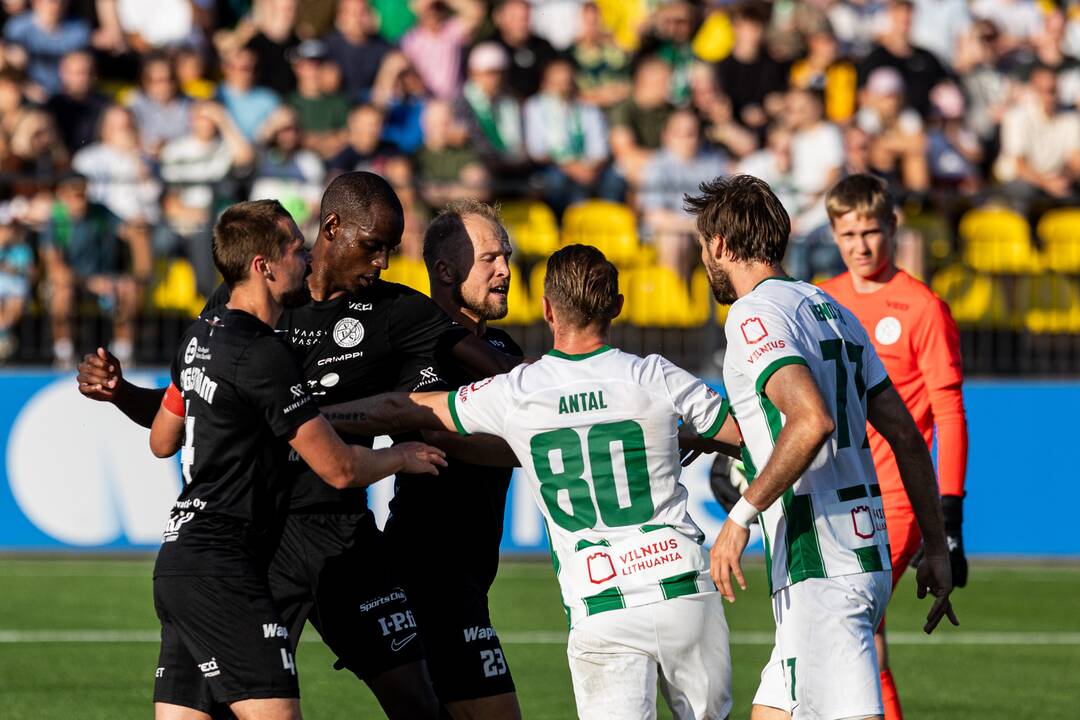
(747, 277)
(254, 300)
(873, 283)
(463, 316)
(579, 341)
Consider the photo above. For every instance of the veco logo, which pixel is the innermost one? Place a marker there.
(103, 489)
(753, 330)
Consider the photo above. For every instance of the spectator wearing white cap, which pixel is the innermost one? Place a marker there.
(898, 141)
(490, 115)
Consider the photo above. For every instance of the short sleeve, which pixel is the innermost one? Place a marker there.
(482, 406)
(416, 324)
(699, 406)
(273, 383)
(877, 378)
(760, 341)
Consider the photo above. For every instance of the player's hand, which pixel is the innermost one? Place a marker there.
(100, 376)
(419, 458)
(724, 558)
(934, 577)
(952, 507)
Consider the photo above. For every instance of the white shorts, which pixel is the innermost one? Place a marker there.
(824, 664)
(617, 657)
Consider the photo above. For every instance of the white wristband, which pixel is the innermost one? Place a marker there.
(743, 513)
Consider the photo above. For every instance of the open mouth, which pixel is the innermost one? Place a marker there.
(499, 290)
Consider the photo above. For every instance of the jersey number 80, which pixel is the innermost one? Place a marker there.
(583, 510)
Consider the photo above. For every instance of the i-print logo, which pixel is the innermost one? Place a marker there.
(348, 332)
(753, 330)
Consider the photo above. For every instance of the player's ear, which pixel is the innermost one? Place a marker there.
(330, 224)
(549, 316)
(716, 246)
(260, 266)
(619, 301)
(444, 273)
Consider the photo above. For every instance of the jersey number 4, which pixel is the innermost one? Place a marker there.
(836, 350)
(187, 452)
(571, 478)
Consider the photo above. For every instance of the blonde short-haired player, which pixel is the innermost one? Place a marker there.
(596, 433)
(803, 379)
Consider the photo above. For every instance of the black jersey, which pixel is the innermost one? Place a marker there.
(383, 338)
(468, 500)
(244, 393)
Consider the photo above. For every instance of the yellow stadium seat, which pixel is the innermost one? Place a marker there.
(974, 298)
(715, 38)
(1048, 303)
(609, 226)
(173, 287)
(1059, 231)
(407, 271)
(997, 240)
(523, 310)
(656, 297)
(532, 227)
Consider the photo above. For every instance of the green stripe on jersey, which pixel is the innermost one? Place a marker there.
(851, 493)
(451, 402)
(610, 599)
(718, 423)
(768, 556)
(679, 585)
(654, 528)
(772, 417)
(884, 384)
(582, 544)
(869, 558)
(773, 367)
(803, 551)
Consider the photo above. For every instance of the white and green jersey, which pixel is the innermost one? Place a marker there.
(831, 521)
(597, 438)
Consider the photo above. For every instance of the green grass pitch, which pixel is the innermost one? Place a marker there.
(77, 641)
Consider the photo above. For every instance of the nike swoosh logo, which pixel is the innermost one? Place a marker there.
(396, 645)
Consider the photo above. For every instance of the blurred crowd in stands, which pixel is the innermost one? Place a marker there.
(126, 125)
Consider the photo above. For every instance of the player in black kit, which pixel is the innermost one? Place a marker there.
(359, 336)
(467, 254)
(237, 401)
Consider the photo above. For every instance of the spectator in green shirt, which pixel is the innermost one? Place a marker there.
(323, 116)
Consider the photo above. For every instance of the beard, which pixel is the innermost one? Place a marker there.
(487, 307)
(296, 298)
(720, 282)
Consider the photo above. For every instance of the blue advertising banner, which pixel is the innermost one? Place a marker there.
(78, 476)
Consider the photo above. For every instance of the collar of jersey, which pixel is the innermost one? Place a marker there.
(580, 356)
(785, 278)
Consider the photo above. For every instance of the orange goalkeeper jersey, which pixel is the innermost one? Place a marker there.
(916, 337)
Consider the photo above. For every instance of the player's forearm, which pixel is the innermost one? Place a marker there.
(370, 466)
(388, 414)
(796, 447)
(690, 440)
(476, 449)
(138, 403)
(917, 474)
(950, 421)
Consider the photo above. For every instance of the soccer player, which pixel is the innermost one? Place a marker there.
(359, 336)
(803, 379)
(237, 402)
(918, 341)
(596, 431)
(467, 253)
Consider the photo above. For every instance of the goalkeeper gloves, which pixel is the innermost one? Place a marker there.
(953, 508)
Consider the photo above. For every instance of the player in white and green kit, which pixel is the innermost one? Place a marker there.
(596, 432)
(803, 379)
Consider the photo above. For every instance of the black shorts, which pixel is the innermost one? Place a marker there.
(222, 640)
(334, 570)
(465, 657)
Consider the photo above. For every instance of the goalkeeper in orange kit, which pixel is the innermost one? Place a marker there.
(918, 341)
